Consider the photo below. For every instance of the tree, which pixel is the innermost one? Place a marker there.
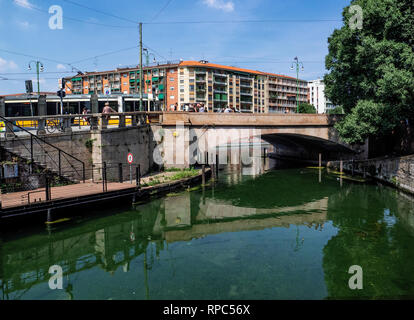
(336, 110)
(371, 70)
(306, 108)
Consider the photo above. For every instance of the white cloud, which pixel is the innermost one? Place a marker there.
(60, 67)
(220, 4)
(24, 4)
(7, 65)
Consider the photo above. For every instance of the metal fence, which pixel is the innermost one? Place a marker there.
(45, 186)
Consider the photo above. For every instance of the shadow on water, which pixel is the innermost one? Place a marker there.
(290, 233)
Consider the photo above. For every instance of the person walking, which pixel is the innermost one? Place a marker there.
(107, 109)
(85, 111)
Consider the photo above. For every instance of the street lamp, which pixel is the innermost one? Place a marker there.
(147, 56)
(298, 65)
(39, 68)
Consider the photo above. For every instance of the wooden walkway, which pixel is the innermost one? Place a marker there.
(16, 199)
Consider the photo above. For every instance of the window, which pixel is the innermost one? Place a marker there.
(181, 81)
(172, 97)
(210, 88)
(124, 75)
(172, 79)
(172, 71)
(191, 87)
(172, 88)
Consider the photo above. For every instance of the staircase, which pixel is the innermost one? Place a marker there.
(37, 151)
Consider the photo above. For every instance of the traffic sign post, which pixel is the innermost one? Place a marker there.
(130, 159)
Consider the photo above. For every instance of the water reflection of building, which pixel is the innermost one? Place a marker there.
(111, 243)
(217, 217)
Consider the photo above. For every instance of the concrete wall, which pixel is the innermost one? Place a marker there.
(73, 144)
(397, 171)
(113, 145)
(93, 148)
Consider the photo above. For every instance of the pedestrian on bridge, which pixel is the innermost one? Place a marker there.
(107, 109)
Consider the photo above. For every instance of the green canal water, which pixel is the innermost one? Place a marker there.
(281, 234)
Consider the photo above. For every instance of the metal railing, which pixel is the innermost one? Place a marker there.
(52, 163)
(47, 186)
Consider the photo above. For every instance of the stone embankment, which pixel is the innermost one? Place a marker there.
(396, 171)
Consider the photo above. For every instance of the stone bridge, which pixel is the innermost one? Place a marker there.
(179, 139)
(298, 136)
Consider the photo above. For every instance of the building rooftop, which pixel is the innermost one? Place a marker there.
(189, 63)
(229, 68)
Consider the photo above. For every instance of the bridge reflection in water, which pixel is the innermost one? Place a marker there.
(237, 239)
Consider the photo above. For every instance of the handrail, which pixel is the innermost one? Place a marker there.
(49, 144)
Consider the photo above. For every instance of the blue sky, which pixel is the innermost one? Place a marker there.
(24, 28)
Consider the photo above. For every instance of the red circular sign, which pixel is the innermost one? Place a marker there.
(130, 158)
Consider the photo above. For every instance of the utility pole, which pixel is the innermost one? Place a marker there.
(141, 85)
(39, 68)
(298, 64)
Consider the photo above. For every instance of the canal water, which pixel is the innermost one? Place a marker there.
(284, 233)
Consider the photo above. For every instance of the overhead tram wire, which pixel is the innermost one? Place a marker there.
(100, 11)
(87, 22)
(162, 9)
(106, 54)
(246, 21)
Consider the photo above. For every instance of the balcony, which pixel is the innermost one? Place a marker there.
(199, 79)
(245, 93)
(220, 82)
(245, 85)
(220, 91)
(220, 75)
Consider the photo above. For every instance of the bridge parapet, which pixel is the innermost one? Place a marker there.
(244, 119)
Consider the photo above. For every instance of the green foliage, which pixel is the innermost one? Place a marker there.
(372, 69)
(336, 110)
(366, 119)
(184, 174)
(306, 108)
(89, 144)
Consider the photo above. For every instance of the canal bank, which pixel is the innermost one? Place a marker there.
(72, 201)
(397, 172)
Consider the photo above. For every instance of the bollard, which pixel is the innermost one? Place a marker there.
(352, 167)
(320, 160)
(104, 185)
(203, 174)
(217, 165)
(49, 217)
(341, 166)
(213, 171)
(47, 188)
(121, 179)
(138, 176)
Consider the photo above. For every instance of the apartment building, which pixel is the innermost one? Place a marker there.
(216, 86)
(317, 96)
(159, 83)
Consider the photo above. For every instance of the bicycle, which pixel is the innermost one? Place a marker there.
(53, 125)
